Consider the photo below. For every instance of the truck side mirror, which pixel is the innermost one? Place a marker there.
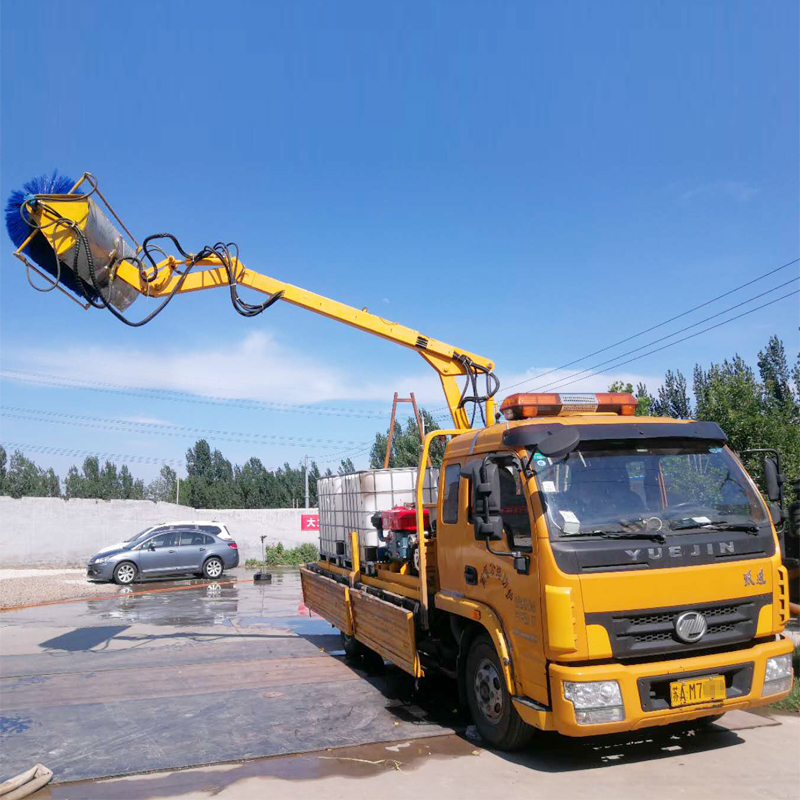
(560, 442)
(773, 480)
(485, 493)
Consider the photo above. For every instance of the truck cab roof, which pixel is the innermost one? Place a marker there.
(496, 437)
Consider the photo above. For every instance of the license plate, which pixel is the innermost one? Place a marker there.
(697, 690)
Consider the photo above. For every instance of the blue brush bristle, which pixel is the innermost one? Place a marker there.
(17, 228)
(38, 249)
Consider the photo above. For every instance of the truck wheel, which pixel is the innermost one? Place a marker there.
(489, 700)
(354, 651)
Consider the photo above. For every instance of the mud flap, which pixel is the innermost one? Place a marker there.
(387, 629)
(328, 598)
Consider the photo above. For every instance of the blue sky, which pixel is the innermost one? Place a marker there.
(529, 181)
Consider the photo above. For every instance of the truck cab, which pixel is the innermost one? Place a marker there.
(631, 563)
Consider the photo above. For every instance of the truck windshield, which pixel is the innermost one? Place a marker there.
(646, 489)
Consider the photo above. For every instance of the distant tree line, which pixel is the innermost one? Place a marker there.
(756, 408)
(211, 481)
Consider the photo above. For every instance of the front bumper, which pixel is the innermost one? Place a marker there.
(100, 572)
(642, 687)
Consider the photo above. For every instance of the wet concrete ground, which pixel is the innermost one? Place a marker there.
(238, 678)
(746, 756)
(211, 672)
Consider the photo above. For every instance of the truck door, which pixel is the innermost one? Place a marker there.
(513, 596)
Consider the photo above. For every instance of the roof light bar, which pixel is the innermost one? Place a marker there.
(525, 406)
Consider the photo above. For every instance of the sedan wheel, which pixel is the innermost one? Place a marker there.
(212, 568)
(124, 574)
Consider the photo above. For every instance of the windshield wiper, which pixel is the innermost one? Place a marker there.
(719, 525)
(622, 534)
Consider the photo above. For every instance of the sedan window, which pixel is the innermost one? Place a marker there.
(192, 538)
(162, 540)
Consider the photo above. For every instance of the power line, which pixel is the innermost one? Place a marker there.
(72, 453)
(664, 338)
(652, 328)
(174, 395)
(685, 338)
(659, 325)
(129, 426)
(344, 456)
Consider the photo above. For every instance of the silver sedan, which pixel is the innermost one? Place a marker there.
(165, 551)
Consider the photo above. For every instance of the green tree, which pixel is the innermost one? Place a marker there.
(164, 487)
(130, 488)
(25, 479)
(3, 462)
(347, 467)
(109, 482)
(672, 400)
(251, 478)
(644, 402)
(198, 460)
(85, 483)
(775, 374)
(753, 413)
(643, 399)
(406, 444)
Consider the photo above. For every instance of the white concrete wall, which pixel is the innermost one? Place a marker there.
(248, 525)
(44, 531)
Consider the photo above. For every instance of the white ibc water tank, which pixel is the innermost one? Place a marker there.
(347, 502)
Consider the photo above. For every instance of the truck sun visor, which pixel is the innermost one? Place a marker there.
(531, 435)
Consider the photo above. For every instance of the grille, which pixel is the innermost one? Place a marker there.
(640, 633)
(671, 616)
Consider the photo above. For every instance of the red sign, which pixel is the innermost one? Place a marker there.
(309, 522)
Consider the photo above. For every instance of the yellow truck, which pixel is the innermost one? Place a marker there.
(582, 569)
(588, 571)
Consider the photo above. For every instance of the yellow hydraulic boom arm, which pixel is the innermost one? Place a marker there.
(69, 222)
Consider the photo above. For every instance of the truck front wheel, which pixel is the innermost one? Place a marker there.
(489, 700)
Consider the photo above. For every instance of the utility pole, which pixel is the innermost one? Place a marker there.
(178, 492)
(306, 481)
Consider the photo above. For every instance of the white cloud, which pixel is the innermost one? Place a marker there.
(260, 367)
(740, 191)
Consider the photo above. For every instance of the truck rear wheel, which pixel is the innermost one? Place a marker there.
(355, 650)
(352, 647)
(489, 700)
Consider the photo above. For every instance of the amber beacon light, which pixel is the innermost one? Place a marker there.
(525, 406)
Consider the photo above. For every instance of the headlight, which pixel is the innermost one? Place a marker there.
(778, 675)
(595, 701)
(101, 560)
